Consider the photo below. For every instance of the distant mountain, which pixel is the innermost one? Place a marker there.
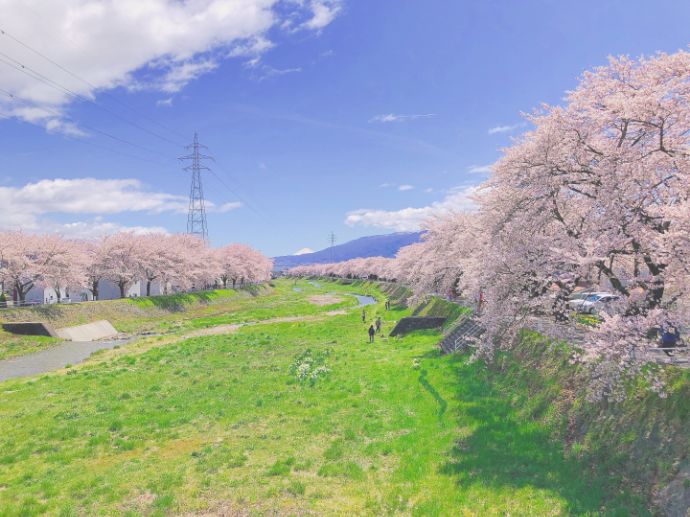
(373, 246)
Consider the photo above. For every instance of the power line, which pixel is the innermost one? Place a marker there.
(34, 74)
(21, 67)
(87, 82)
(241, 198)
(94, 129)
(119, 139)
(260, 210)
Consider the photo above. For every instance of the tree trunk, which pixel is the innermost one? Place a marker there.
(94, 289)
(23, 289)
(148, 287)
(122, 285)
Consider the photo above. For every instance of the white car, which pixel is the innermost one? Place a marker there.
(591, 303)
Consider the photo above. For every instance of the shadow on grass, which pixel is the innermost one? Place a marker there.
(507, 450)
(442, 404)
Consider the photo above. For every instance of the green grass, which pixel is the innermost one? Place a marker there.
(227, 424)
(12, 345)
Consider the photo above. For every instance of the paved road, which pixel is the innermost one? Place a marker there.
(54, 358)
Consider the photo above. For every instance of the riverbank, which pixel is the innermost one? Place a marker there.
(290, 417)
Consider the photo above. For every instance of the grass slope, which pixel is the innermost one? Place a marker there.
(285, 418)
(642, 443)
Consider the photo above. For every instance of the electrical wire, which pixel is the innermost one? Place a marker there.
(94, 129)
(34, 74)
(88, 142)
(87, 82)
(27, 70)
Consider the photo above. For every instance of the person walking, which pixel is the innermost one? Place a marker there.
(378, 325)
(364, 316)
(480, 303)
(670, 338)
(372, 332)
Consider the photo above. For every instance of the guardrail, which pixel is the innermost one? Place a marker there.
(14, 305)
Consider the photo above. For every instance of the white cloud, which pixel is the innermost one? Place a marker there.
(428, 190)
(505, 129)
(165, 102)
(480, 169)
(392, 117)
(26, 207)
(403, 188)
(225, 207)
(95, 228)
(263, 71)
(303, 251)
(136, 44)
(411, 219)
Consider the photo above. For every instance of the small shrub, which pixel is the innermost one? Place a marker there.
(308, 367)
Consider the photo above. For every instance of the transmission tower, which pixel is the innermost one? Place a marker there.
(196, 218)
(332, 240)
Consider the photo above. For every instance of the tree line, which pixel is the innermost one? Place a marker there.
(176, 262)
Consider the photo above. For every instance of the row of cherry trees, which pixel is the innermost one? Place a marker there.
(179, 262)
(597, 193)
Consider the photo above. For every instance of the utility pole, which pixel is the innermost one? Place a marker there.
(332, 239)
(196, 217)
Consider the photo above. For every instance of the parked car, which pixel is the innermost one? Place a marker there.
(591, 303)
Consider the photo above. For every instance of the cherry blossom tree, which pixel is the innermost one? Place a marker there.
(19, 261)
(60, 264)
(597, 193)
(239, 264)
(156, 256)
(95, 267)
(121, 260)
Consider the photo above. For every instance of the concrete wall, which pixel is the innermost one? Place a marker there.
(31, 328)
(406, 325)
(88, 332)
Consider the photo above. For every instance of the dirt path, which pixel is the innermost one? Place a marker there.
(58, 357)
(227, 329)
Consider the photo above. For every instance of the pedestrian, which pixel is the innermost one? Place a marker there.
(371, 333)
(364, 316)
(481, 302)
(378, 324)
(670, 338)
(388, 304)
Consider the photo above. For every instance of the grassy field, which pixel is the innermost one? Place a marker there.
(160, 313)
(284, 418)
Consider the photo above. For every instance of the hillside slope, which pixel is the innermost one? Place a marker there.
(372, 246)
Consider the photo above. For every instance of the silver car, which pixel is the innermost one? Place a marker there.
(592, 303)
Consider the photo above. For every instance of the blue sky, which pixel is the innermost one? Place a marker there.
(359, 117)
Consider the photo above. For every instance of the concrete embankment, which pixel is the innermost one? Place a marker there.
(101, 329)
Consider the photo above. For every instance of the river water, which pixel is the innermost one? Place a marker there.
(364, 300)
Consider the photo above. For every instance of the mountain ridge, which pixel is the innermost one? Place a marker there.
(371, 246)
